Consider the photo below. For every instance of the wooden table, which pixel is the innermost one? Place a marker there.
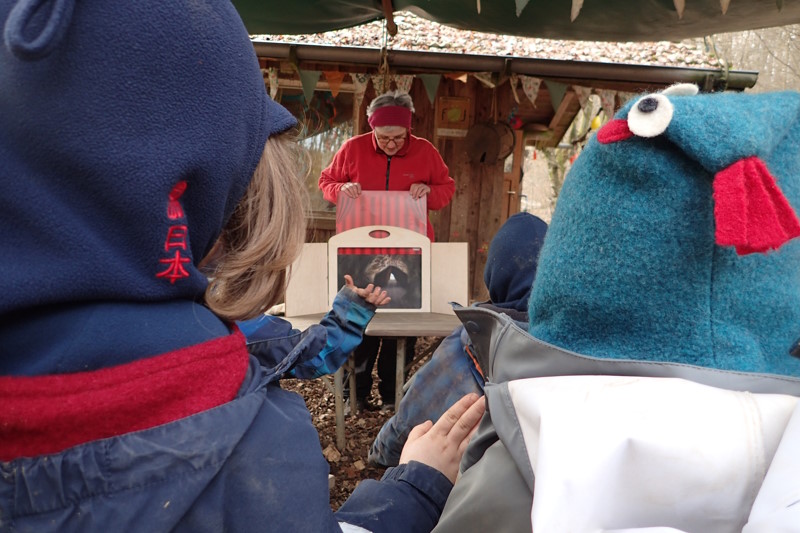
(395, 325)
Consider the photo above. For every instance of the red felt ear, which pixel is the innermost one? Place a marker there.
(750, 211)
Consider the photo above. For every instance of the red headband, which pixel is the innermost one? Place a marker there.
(391, 115)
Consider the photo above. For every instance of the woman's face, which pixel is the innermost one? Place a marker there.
(390, 139)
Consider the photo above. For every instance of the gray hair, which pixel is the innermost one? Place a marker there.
(397, 98)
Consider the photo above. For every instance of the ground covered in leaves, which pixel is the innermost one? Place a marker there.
(348, 466)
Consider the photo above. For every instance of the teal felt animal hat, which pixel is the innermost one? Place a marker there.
(673, 238)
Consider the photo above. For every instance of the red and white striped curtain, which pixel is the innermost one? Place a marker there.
(381, 208)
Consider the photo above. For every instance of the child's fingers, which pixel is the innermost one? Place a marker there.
(419, 430)
(459, 420)
(348, 281)
(376, 296)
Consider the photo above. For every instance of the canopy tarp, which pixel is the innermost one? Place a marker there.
(587, 20)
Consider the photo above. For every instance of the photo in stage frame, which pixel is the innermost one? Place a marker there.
(398, 271)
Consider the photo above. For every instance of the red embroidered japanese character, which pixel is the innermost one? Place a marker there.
(174, 209)
(176, 237)
(175, 269)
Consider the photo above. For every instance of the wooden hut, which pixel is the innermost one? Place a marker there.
(479, 111)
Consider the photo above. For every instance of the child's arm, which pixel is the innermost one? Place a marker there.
(345, 323)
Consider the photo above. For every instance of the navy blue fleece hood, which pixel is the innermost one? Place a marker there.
(512, 260)
(129, 131)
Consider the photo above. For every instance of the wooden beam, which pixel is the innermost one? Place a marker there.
(287, 83)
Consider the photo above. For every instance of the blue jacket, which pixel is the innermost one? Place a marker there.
(253, 463)
(325, 354)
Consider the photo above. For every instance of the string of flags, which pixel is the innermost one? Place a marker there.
(530, 86)
(577, 5)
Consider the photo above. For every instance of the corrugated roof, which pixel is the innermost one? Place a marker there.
(418, 34)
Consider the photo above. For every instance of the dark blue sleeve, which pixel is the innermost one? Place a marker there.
(409, 497)
(434, 388)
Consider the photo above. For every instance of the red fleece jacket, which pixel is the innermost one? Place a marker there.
(360, 160)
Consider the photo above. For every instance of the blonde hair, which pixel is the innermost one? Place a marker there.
(263, 237)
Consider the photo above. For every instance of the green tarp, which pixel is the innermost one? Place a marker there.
(594, 20)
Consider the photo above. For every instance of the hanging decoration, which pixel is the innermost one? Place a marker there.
(334, 79)
(485, 78)
(463, 77)
(431, 82)
(576, 9)
(723, 4)
(378, 82)
(607, 102)
(272, 77)
(513, 81)
(557, 92)
(403, 82)
(530, 86)
(583, 94)
(514, 120)
(360, 81)
(679, 7)
(309, 79)
(520, 5)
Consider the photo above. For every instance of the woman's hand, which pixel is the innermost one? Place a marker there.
(418, 190)
(371, 294)
(351, 189)
(442, 444)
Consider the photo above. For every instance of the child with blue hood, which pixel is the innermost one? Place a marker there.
(133, 137)
(453, 371)
(653, 388)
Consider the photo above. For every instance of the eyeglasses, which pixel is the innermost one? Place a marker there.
(398, 139)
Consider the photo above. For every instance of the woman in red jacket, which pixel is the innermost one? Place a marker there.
(388, 158)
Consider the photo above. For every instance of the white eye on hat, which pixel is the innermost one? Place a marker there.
(652, 113)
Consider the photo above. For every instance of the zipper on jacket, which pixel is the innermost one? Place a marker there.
(388, 165)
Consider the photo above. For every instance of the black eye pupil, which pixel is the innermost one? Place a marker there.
(648, 105)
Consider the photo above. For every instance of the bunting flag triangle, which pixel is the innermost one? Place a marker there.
(607, 102)
(583, 94)
(403, 82)
(431, 82)
(530, 86)
(334, 79)
(378, 82)
(576, 9)
(309, 79)
(513, 81)
(272, 77)
(360, 82)
(557, 92)
(459, 76)
(680, 5)
(520, 4)
(485, 78)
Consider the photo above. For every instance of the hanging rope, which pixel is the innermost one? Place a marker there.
(711, 47)
(383, 66)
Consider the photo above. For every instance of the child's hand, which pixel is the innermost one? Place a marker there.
(371, 294)
(442, 444)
